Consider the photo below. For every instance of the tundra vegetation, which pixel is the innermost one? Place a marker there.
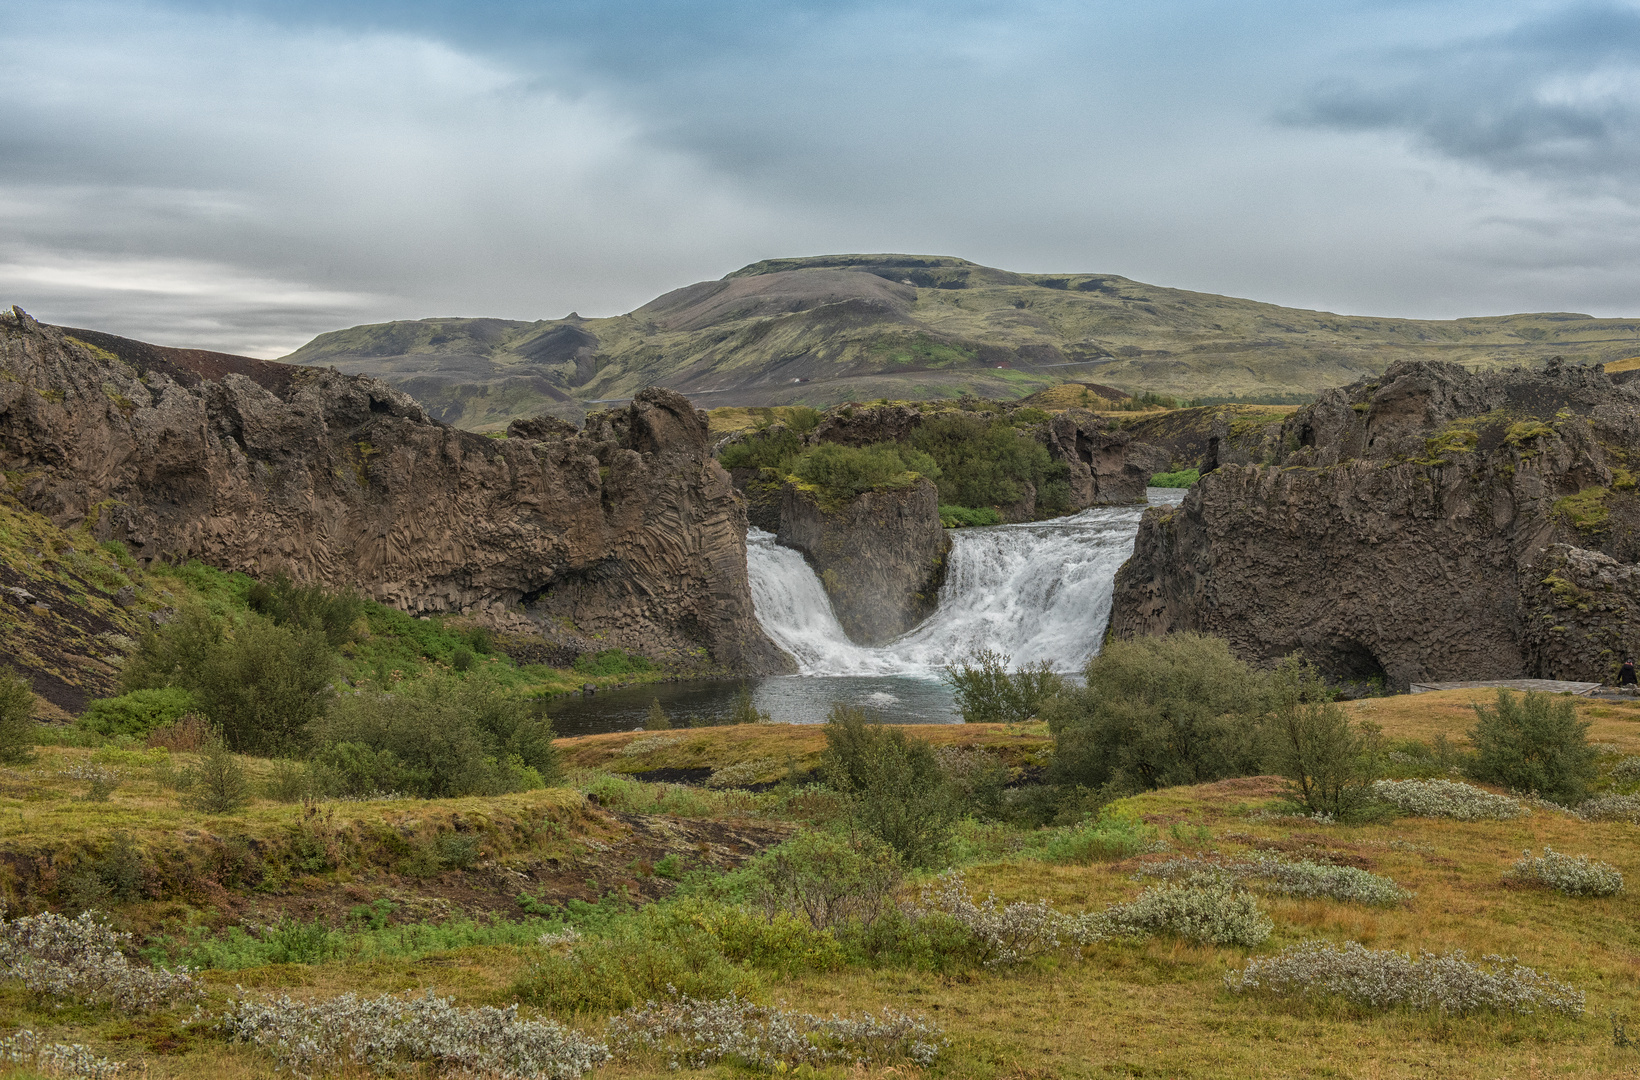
(1187, 867)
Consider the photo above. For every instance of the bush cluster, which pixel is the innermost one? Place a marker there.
(828, 879)
(1384, 979)
(16, 718)
(384, 1034)
(1213, 911)
(1109, 836)
(25, 1047)
(987, 692)
(1534, 743)
(1299, 877)
(83, 959)
(1004, 933)
(846, 471)
(1447, 799)
(698, 1033)
(1329, 763)
(1573, 875)
(1610, 808)
(989, 462)
(893, 784)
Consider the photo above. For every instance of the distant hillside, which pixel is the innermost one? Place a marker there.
(822, 330)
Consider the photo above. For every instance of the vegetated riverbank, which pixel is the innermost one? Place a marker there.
(455, 895)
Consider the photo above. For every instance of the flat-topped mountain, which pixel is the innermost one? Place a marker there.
(833, 328)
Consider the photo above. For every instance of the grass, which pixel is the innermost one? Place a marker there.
(1157, 1008)
(1182, 479)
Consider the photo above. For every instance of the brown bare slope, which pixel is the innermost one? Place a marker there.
(627, 529)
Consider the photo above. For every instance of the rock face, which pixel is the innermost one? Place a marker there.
(1102, 473)
(881, 556)
(629, 528)
(1435, 524)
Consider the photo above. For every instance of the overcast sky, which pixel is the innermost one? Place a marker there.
(242, 175)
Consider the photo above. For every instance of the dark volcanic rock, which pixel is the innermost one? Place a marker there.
(881, 556)
(629, 528)
(1436, 524)
(1101, 473)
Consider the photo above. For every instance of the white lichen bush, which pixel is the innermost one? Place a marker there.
(740, 774)
(1448, 983)
(567, 936)
(1574, 875)
(1447, 799)
(1300, 877)
(61, 1059)
(1210, 910)
(648, 743)
(1627, 771)
(85, 960)
(696, 1034)
(1610, 808)
(1005, 933)
(387, 1034)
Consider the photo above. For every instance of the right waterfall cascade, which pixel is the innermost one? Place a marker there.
(1037, 591)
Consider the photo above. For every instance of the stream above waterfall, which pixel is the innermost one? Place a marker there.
(1034, 591)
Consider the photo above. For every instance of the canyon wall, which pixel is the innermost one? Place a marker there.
(628, 530)
(1432, 524)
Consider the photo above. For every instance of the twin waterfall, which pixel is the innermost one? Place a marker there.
(1039, 591)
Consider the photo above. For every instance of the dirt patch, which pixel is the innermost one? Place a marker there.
(1314, 848)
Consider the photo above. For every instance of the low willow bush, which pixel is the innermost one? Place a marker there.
(695, 1034)
(1573, 875)
(1626, 771)
(1004, 933)
(1448, 983)
(27, 1048)
(1299, 877)
(1447, 799)
(1610, 808)
(1215, 912)
(83, 959)
(387, 1034)
(1102, 840)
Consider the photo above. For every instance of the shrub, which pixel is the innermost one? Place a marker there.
(894, 786)
(827, 879)
(1183, 478)
(1005, 934)
(1610, 808)
(959, 517)
(987, 692)
(988, 463)
(1536, 743)
(1626, 771)
(16, 718)
(744, 711)
(1329, 763)
(606, 975)
(309, 607)
(697, 1034)
(219, 785)
(1385, 979)
(103, 779)
(1109, 836)
(85, 960)
(976, 777)
(774, 941)
(844, 472)
(1216, 912)
(384, 1034)
(25, 1047)
(1289, 878)
(1447, 799)
(657, 720)
(186, 734)
(612, 662)
(1157, 711)
(138, 712)
(1574, 876)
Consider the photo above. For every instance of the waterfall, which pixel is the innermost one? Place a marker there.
(1038, 591)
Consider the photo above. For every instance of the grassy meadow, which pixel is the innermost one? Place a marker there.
(383, 896)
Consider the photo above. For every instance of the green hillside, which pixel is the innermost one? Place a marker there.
(821, 330)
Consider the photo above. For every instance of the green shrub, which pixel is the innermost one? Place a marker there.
(138, 712)
(827, 879)
(1112, 835)
(657, 720)
(1182, 479)
(1534, 742)
(309, 607)
(606, 975)
(16, 718)
(775, 448)
(895, 788)
(958, 517)
(847, 471)
(976, 777)
(987, 692)
(219, 784)
(988, 463)
(744, 711)
(1329, 763)
(1157, 711)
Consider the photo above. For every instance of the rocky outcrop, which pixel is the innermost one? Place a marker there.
(1435, 524)
(880, 556)
(628, 529)
(1096, 457)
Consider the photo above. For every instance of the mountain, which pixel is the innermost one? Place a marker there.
(817, 331)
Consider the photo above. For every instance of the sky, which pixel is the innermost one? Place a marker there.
(244, 175)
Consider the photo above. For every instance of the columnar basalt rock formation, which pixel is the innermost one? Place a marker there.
(1434, 524)
(629, 528)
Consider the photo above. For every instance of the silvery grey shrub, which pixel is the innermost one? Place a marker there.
(1297, 877)
(26, 1047)
(1573, 875)
(1006, 933)
(84, 959)
(1447, 799)
(1448, 983)
(1205, 909)
(1610, 808)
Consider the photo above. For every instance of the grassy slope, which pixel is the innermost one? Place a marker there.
(961, 319)
(1152, 1009)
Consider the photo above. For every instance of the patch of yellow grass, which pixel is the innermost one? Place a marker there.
(1452, 713)
(1627, 364)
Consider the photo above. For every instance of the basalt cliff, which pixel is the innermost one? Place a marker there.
(1432, 524)
(627, 530)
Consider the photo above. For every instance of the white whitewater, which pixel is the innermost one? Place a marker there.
(1040, 591)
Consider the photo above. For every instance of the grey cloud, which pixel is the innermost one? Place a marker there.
(1557, 97)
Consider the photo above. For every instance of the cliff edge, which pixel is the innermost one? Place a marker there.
(1434, 523)
(628, 529)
